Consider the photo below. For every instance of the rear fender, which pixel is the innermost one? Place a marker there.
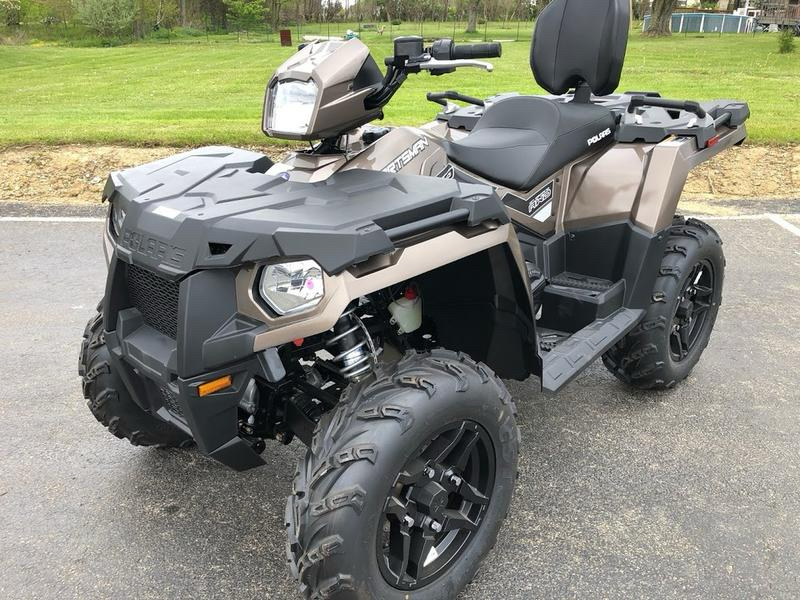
(641, 182)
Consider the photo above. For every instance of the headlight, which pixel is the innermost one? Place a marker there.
(292, 287)
(117, 217)
(292, 106)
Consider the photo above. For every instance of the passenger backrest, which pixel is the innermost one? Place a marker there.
(580, 40)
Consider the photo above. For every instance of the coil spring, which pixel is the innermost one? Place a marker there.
(354, 348)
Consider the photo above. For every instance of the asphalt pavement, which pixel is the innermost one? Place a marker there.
(691, 493)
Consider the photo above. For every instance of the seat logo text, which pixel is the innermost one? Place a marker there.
(596, 138)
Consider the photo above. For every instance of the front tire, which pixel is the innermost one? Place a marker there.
(666, 345)
(109, 400)
(415, 465)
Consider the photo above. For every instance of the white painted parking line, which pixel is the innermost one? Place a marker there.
(785, 224)
(52, 219)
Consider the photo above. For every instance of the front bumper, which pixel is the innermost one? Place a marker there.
(169, 336)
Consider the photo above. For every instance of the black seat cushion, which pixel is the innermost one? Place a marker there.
(523, 139)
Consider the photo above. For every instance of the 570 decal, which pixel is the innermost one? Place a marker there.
(539, 205)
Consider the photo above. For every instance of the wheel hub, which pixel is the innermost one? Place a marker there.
(696, 298)
(431, 498)
(436, 505)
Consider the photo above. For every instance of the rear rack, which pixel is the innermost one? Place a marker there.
(650, 118)
(642, 116)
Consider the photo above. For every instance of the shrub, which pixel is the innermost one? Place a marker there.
(190, 32)
(162, 33)
(109, 18)
(786, 41)
(11, 12)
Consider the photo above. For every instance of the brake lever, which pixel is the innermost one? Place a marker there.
(435, 65)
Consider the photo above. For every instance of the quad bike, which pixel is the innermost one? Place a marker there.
(368, 294)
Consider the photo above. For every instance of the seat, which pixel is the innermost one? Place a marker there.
(521, 140)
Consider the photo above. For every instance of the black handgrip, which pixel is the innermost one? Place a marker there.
(687, 105)
(473, 51)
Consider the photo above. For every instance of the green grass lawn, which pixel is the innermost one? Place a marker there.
(199, 91)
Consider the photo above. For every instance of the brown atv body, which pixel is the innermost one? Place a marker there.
(367, 295)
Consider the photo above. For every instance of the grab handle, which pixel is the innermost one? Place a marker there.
(687, 105)
(442, 97)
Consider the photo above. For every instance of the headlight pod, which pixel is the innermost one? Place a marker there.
(292, 106)
(117, 216)
(292, 287)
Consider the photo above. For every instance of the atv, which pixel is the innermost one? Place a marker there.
(368, 295)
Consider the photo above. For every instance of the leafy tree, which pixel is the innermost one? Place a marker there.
(11, 12)
(56, 11)
(661, 17)
(109, 18)
(245, 14)
(473, 8)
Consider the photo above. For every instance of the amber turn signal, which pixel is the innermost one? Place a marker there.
(215, 385)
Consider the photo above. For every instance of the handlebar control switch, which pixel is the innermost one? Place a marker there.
(407, 48)
(442, 49)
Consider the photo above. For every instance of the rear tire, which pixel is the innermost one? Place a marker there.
(109, 400)
(338, 523)
(656, 355)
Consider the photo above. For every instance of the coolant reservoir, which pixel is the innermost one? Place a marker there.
(407, 311)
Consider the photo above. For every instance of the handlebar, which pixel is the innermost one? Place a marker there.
(472, 51)
(445, 49)
(411, 56)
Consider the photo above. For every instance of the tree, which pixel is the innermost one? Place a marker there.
(661, 17)
(245, 13)
(109, 18)
(11, 12)
(473, 8)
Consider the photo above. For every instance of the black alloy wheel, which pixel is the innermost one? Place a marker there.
(436, 504)
(406, 482)
(692, 310)
(666, 344)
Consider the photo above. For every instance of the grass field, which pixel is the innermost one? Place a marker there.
(209, 92)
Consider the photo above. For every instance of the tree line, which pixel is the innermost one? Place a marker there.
(138, 18)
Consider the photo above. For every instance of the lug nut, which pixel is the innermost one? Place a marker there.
(408, 520)
(456, 480)
(429, 473)
(436, 526)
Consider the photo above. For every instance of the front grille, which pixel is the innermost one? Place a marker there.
(170, 401)
(156, 298)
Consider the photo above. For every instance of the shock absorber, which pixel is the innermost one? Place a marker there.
(352, 346)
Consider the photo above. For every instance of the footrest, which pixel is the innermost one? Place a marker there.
(535, 278)
(583, 282)
(570, 357)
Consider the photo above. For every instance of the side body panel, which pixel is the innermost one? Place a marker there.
(641, 182)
